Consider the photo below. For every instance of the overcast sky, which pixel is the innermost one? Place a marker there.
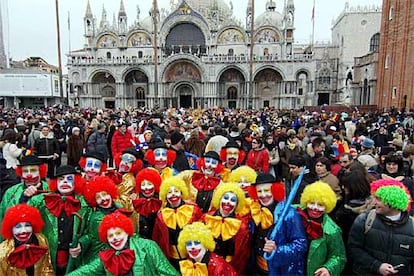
(31, 28)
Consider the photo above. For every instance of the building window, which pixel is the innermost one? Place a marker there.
(391, 13)
(140, 54)
(374, 43)
(140, 92)
(230, 52)
(232, 93)
(387, 61)
(394, 92)
(325, 77)
(108, 55)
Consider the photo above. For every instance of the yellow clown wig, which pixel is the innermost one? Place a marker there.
(177, 183)
(229, 187)
(321, 192)
(196, 231)
(245, 172)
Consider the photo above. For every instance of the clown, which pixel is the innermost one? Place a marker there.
(230, 231)
(93, 164)
(197, 243)
(25, 251)
(232, 155)
(244, 176)
(173, 217)
(101, 194)
(128, 164)
(161, 159)
(127, 254)
(32, 172)
(66, 214)
(326, 254)
(147, 205)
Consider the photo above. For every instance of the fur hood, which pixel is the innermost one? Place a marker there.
(49, 136)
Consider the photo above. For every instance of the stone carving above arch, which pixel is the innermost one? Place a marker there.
(266, 35)
(182, 70)
(138, 39)
(231, 36)
(107, 41)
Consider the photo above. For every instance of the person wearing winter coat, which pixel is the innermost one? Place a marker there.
(122, 140)
(75, 147)
(47, 148)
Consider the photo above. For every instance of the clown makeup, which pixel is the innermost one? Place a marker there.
(22, 231)
(195, 250)
(228, 204)
(30, 175)
(210, 166)
(244, 184)
(103, 199)
(315, 209)
(232, 155)
(127, 160)
(264, 193)
(66, 184)
(117, 238)
(147, 188)
(174, 197)
(92, 167)
(160, 157)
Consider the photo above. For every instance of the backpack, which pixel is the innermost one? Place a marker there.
(371, 217)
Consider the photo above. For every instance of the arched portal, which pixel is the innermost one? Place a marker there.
(136, 87)
(185, 93)
(231, 86)
(103, 83)
(268, 86)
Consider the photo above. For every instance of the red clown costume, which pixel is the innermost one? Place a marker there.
(25, 250)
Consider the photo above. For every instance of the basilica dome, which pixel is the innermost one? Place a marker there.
(269, 17)
(205, 7)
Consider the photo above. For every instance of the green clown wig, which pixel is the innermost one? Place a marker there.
(229, 187)
(245, 172)
(321, 192)
(177, 183)
(196, 231)
(392, 193)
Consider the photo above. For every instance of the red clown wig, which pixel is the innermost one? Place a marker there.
(135, 167)
(150, 157)
(202, 164)
(82, 164)
(80, 183)
(223, 155)
(21, 213)
(99, 184)
(42, 170)
(115, 219)
(151, 175)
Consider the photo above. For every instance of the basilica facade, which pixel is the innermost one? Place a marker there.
(199, 55)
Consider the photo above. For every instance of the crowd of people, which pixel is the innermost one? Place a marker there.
(217, 191)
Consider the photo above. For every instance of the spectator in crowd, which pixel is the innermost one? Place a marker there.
(323, 171)
(296, 165)
(273, 150)
(60, 136)
(11, 151)
(194, 144)
(290, 149)
(122, 139)
(367, 157)
(258, 157)
(177, 145)
(47, 148)
(97, 141)
(75, 147)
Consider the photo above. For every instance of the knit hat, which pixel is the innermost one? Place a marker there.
(176, 137)
(75, 129)
(393, 193)
(367, 143)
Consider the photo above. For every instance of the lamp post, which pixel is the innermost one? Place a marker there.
(155, 20)
(59, 50)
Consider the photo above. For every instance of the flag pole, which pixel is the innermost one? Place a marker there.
(313, 26)
(70, 48)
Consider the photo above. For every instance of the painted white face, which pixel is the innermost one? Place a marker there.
(127, 160)
(22, 231)
(66, 184)
(210, 166)
(147, 188)
(264, 194)
(174, 196)
(195, 250)
(244, 184)
(30, 175)
(228, 204)
(232, 155)
(103, 199)
(315, 209)
(160, 156)
(117, 238)
(92, 167)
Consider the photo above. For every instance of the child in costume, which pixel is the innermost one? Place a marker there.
(147, 205)
(128, 254)
(32, 172)
(93, 164)
(172, 218)
(230, 230)
(326, 254)
(161, 158)
(65, 213)
(25, 251)
(197, 243)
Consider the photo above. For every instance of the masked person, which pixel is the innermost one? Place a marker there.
(326, 254)
(25, 250)
(32, 171)
(244, 176)
(127, 254)
(173, 216)
(93, 164)
(197, 243)
(147, 204)
(161, 158)
(230, 230)
(66, 214)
